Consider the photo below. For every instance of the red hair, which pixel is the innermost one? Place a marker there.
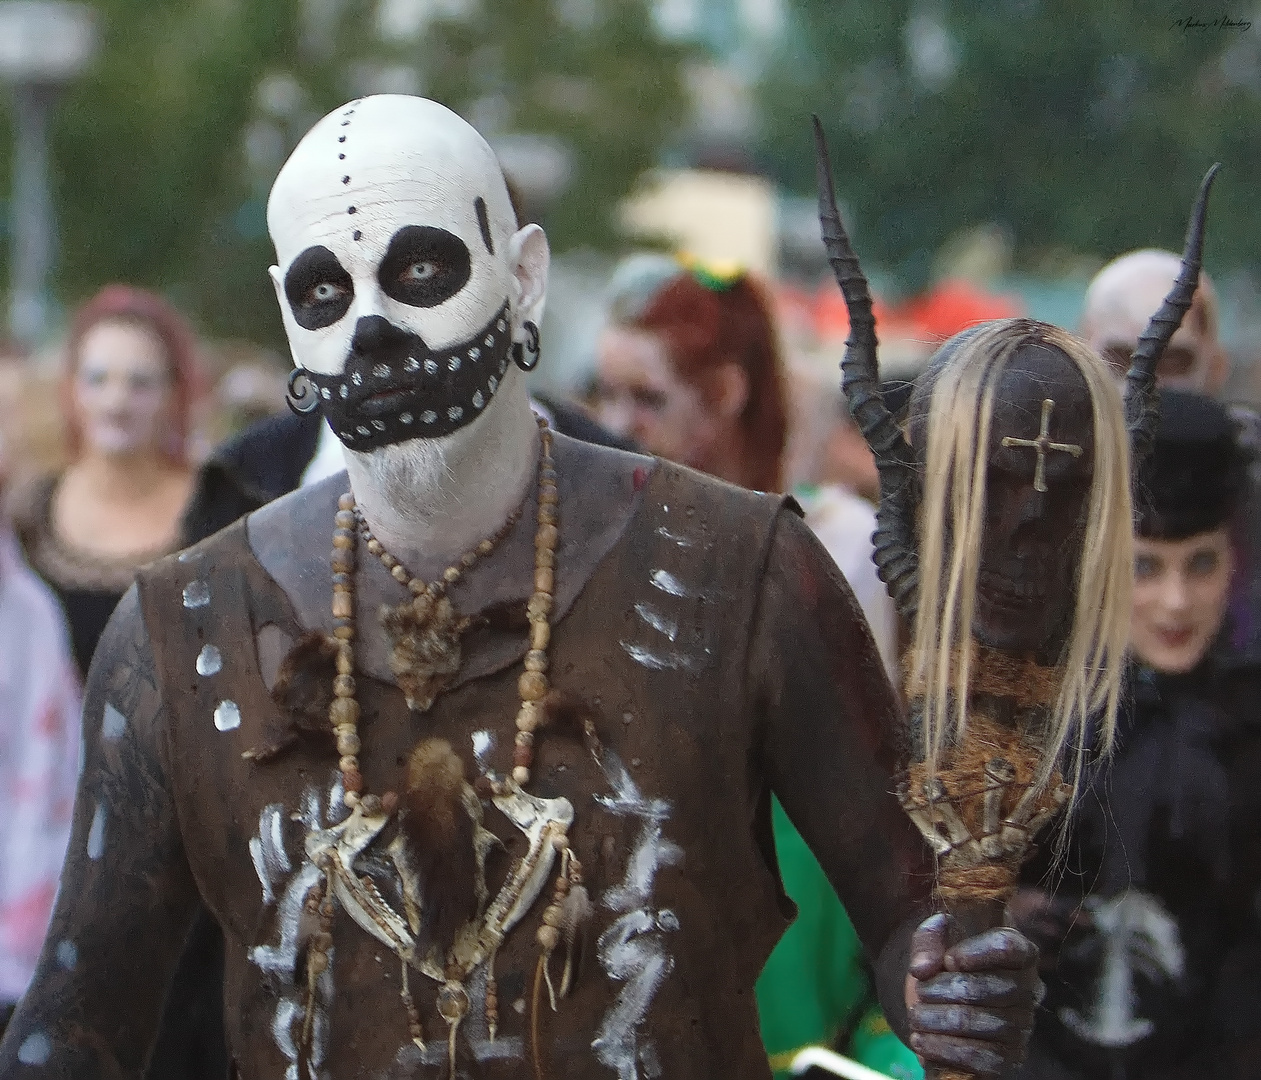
(137, 307)
(704, 329)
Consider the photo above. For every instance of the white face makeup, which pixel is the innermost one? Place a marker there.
(122, 389)
(1181, 593)
(397, 276)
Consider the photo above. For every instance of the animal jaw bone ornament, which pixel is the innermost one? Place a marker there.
(334, 851)
(1004, 538)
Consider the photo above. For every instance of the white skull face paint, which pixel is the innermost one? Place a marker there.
(396, 275)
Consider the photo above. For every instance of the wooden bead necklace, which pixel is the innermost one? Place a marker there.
(533, 683)
(569, 905)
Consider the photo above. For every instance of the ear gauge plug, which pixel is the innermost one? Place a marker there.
(526, 356)
(300, 394)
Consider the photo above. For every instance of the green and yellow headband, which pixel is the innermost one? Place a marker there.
(717, 275)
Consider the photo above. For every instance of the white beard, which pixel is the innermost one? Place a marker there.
(411, 477)
(433, 499)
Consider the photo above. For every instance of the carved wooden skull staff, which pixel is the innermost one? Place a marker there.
(1004, 537)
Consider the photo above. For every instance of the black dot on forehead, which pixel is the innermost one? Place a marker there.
(352, 210)
(341, 157)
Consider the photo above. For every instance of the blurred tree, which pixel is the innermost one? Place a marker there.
(148, 153)
(590, 80)
(164, 153)
(1084, 123)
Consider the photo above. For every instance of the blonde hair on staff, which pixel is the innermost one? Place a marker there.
(961, 410)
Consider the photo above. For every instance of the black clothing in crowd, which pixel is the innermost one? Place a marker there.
(1161, 977)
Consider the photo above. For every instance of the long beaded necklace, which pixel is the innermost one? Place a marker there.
(533, 683)
(518, 892)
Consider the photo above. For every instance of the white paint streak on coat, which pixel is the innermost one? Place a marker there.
(338, 811)
(668, 583)
(278, 838)
(659, 621)
(681, 541)
(483, 747)
(96, 834)
(652, 851)
(655, 661)
(260, 868)
(632, 950)
(282, 1033)
(280, 960)
(311, 809)
(113, 723)
(267, 850)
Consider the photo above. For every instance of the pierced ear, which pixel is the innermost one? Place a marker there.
(529, 257)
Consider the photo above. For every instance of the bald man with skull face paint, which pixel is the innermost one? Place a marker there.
(401, 327)
(411, 883)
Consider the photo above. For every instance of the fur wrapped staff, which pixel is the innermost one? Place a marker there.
(1017, 592)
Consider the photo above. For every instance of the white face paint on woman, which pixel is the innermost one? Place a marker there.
(122, 390)
(399, 270)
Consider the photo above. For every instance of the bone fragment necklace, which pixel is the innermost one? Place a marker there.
(426, 635)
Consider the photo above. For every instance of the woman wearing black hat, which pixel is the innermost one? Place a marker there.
(1148, 932)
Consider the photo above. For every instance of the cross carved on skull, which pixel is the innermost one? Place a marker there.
(1042, 444)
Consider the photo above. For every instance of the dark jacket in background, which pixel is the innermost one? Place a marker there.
(1167, 841)
(260, 464)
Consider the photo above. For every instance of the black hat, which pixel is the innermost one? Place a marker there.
(1197, 474)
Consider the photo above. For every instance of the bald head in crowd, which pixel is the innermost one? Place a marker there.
(1121, 300)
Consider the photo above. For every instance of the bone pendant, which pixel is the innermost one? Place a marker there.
(367, 907)
(541, 820)
(335, 850)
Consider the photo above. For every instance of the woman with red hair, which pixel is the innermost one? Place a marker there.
(690, 369)
(130, 382)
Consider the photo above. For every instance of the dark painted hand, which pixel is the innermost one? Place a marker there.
(974, 1003)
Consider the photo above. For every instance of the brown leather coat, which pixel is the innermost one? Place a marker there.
(727, 659)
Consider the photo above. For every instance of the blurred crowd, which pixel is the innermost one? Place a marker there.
(134, 439)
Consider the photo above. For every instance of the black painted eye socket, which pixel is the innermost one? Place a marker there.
(424, 266)
(318, 289)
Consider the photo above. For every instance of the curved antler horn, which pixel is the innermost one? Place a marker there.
(1141, 400)
(895, 555)
(860, 373)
